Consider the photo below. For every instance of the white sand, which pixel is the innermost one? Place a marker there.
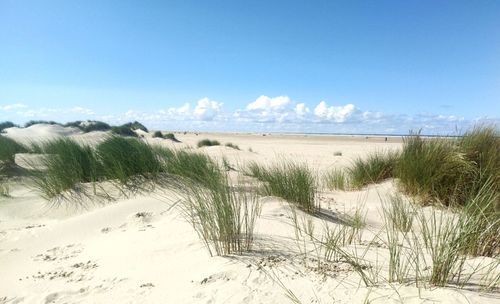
(140, 250)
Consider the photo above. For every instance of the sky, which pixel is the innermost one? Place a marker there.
(284, 66)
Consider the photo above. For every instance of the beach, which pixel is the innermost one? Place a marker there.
(140, 248)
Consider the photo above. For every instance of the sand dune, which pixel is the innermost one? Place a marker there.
(141, 250)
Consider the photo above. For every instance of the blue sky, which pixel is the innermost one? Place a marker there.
(315, 66)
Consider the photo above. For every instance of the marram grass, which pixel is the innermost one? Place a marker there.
(208, 143)
(223, 215)
(67, 164)
(375, 168)
(449, 171)
(292, 181)
(123, 159)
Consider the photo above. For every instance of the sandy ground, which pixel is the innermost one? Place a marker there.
(141, 250)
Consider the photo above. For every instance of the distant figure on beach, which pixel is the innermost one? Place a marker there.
(386, 139)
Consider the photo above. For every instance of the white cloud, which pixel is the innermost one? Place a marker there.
(280, 109)
(265, 114)
(337, 114)
(301, 109)
(207, 109)
(269, 104)
(13, 107)
(81, 110)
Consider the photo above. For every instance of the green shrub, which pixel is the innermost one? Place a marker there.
(157, 134)
(208, 142)
(376, 168)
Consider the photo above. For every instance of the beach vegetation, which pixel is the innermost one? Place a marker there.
(233, 146)
(36, 122)
(208, 143)
(5, 125)
(125, 158)
(375, 168)
(223, 215)
(8, 150)
(89, 125)
(295, 182)
(336, 179)
(67, 164)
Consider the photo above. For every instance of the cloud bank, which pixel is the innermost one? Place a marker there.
(264, 114)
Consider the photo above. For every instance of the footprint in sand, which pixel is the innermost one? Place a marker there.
(60, 253)
(142, 220)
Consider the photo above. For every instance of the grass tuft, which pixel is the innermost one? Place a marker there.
(208, 143)
(5, 125)
(336, 179)
(197, 167)
(67, 164)
(223, 216)
(125, 158)
(45, 122)
(291, 181)
(89, 125)
(376, 168)
(8, 150)
(231, 145)
(171, 136)
(449, 171)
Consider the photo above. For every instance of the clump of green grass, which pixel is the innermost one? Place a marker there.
(135, 126)
(68, 164)
(336, 179)
(337, 153)
(45, 122)
(289, 180)
(376, 168)
(223, 216)
(231, 145)
(123, 131)
(449, 171)
(4, 187)
(171, 136)
(208, 142)
(6, 124)
(481, 146)
(483, 222)
(125, 158)
(400, 214)
(89, 125)
(196, 167)
(8, 150)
